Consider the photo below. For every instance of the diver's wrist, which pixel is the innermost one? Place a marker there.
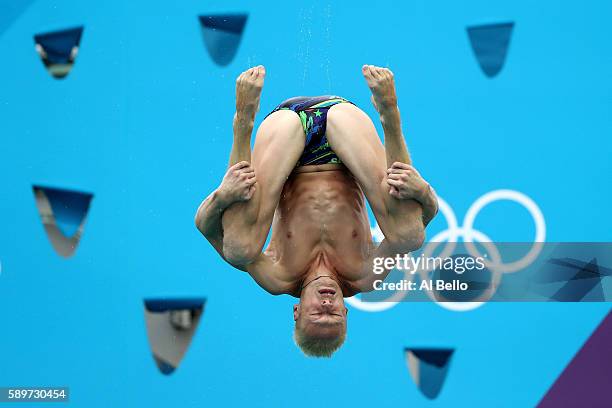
(221, 200)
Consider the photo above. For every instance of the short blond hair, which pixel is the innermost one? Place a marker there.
(313, 346)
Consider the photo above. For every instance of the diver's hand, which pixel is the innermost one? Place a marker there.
(405, 182)
(238, 184)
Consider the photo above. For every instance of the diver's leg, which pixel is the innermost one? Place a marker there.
(248, 93)
(382, 84)
(353, 137)
(278, 146)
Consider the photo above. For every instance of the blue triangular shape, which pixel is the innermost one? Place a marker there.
(490, 45)
(171, 324)
(69, 208)
(59, 44)
(10, 10)
(437, 357)
(428, 368)
(58, 50)
(222, 35)
(164, 305)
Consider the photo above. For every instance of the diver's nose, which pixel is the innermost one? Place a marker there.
(326, 302)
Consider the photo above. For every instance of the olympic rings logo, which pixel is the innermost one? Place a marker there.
(469, 235)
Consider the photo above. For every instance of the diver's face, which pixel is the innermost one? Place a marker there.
(321, 310)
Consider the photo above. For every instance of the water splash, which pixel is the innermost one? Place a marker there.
(327, 62)
(305, 39)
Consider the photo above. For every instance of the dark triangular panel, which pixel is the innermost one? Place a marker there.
(165, 304)
(222, 35)
(171, 324)
(577, 290)
(58, 50)
(586, 281)
(490, 45)
(10, 10)
(63, 214)
(428, 368)
(564, 269)
(586, 380)
(593, 267)
(596, 294)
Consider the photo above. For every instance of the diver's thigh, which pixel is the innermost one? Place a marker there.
(353, 137)
(278, 146)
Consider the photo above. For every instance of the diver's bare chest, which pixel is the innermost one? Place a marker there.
(342, 250)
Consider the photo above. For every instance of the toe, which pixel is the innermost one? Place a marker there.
(372, 70)
(378, 72)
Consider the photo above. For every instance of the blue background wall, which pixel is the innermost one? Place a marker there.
(143, 121)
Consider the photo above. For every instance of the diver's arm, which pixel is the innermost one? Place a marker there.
(263, 268)
(405, 183)
(208, 219)
(268, 273)
(429, 202)
(238, 185)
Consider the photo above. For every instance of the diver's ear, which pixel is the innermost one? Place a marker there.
(346, 311)
(296, 311)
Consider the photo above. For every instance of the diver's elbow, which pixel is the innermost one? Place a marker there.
(199, 220)
(239, 253)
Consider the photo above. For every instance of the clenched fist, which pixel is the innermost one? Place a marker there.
(238, 184)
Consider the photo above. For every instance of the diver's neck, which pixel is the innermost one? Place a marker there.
(319, 271)
(320, 267)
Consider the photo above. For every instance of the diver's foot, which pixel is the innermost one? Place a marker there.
(381, 83)
(248, 91)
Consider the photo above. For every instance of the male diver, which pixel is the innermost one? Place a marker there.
(314, 159)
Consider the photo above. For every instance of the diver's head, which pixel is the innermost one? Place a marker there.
(320, 318)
